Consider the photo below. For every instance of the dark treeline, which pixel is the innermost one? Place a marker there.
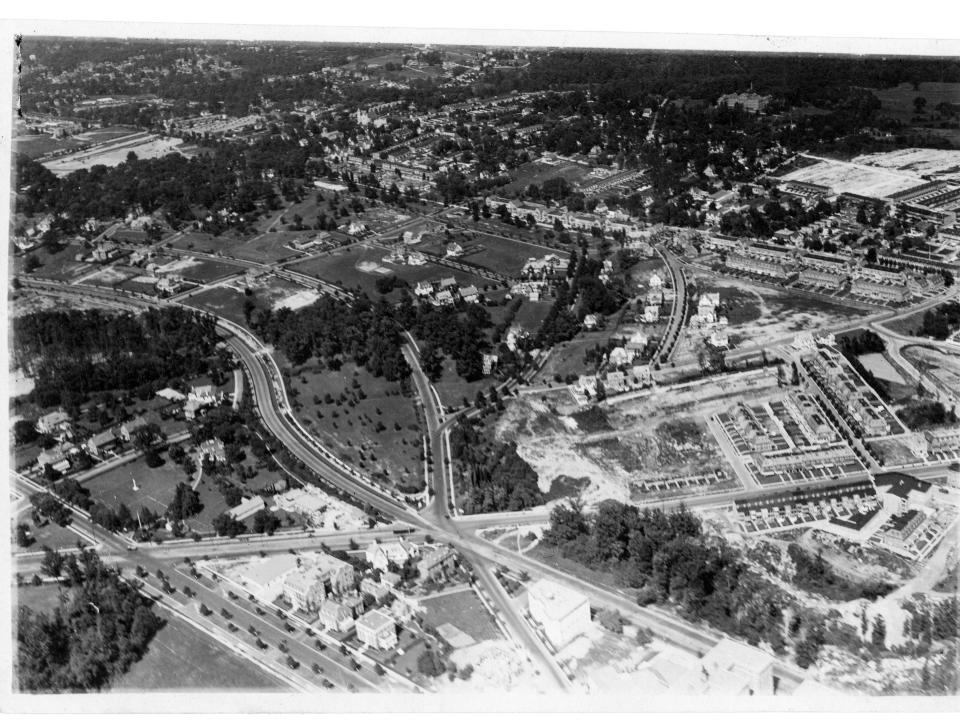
(172, 184)
(496, 477)
(669, 559)
(365, 332)
(798, 78)
(72, 353)
(941, 321)
(103, 626)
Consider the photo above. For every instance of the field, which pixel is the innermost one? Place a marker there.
(181, 658)
(538, 172)
(55, 266)
(501, 255)
(530, 316)
(201, 270)
(112, 154)
(453, 389)
(897, 102)
(341, 265)
(33, 146)
(858, 179)
(464, 611)
(51, 534)
(100, 135)
(155, 486)
(42, 599)
(351, 431)
(227, 300)
(878, 364)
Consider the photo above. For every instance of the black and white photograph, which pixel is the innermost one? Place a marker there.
(386, 367)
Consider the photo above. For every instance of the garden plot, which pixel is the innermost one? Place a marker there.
(859, 179)
(298, 300)
(878, 364)
(497, 666)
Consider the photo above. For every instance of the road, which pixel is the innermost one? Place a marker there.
(270, 399)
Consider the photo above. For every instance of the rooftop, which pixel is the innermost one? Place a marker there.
(557, 600)
(375, 620)
(900, 484)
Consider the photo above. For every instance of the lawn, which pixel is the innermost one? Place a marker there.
(50, 535)
(498, 254)
(223, 301)
(204, 271)
(531, 315)
(204, 242)
(897, 102)
(55, 266)
(41, 599)
(182, 658)
(464, 611)
(453, 389)
(33, 146)
(154, 485)
(269, 247)
(536, 172)
(340, 267)
(395, 450)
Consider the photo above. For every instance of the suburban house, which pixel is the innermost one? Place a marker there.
(129, 428)
(436, 563)
(335, 617)
(377, 629)
(380, 555)
(55, 423)
(55, 458)
(213, 450)
(377, 590)
(99, 443)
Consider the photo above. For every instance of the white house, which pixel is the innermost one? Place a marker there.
(380, 555)
(377, 629)
(247, 508)
(563, 614)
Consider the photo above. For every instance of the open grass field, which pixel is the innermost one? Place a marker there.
(453, 389)
(100, 135)
(181, 658)
(155, 485)
(897, 102)
(351, 432)
(204, 242)
(55, 266)
(538, 172)
(499, 254)
(33, 146)
(203, 271)
(464, 611)
(224, 301)
(269, 247)
(40, 599)
(342, 266)
(118, 276)
(52, 535)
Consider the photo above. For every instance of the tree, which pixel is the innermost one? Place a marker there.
(185, 503)
(24, 432)
(429, 664)
(52, 563)
(226, 525)
(878, 635)
(23, 535)
(265, 521)
(919, 103)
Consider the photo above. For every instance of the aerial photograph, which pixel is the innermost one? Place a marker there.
(426, 369)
